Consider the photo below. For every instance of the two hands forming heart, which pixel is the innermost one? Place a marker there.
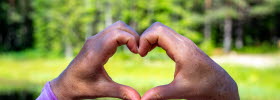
(197, 77)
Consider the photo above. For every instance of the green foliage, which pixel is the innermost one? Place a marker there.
(207, 47)
(221, 13)
(61, 27)
(266, 8)
(15, 25)
(63, 23)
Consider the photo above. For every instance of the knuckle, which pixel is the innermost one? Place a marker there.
(157, 94)
(129, 37)
(89, 39)
(115, 31)
(150, 35)
(157, 23)
(120, 24)
(158, 27)
(115, 34)
(124, 96)
(143, 36)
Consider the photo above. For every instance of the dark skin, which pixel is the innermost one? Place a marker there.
(85, 77)
(197, 76)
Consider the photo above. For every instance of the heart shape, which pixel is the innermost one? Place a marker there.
(196, 76)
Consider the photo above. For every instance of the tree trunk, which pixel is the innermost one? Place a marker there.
(68, 49)
(108, 14)
(133, 10)
(151, 8)
(89, 30)
(227, 34)
(207, 31)
(239, 35)
(207, 24)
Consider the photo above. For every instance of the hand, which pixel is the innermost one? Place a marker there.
(197, 77)
(86, 78)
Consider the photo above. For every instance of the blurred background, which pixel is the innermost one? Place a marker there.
(40, 37)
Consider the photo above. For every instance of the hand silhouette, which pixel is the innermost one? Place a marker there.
(85, 77)
(197, 76)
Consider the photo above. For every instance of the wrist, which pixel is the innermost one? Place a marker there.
(62, 90)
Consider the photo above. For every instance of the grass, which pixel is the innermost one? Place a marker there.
(264, 48)
(30, 74)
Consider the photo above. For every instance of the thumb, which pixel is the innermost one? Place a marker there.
(164, 92)
(160, 93)
(122, 92)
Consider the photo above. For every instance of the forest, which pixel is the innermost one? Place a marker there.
(49, 33)
(61, 26)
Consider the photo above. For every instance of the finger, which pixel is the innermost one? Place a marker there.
(129, 40)
(122, 92)
(162, 36)
(159, 93)
(123, 37)
(124, 27)
(170, 91)
(130, 30)
(112, 40)
(147, 40)
(144, 47)
(104, 86)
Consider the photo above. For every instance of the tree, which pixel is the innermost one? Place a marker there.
(227, 34)
(60, 25)
(267, 11)
(223, 12)
(16, 25)
(207, 24)
(242, 10)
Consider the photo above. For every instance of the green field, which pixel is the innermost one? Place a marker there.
(30, 74)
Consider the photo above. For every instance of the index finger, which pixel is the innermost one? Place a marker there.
(161, 35)
(122, 26)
